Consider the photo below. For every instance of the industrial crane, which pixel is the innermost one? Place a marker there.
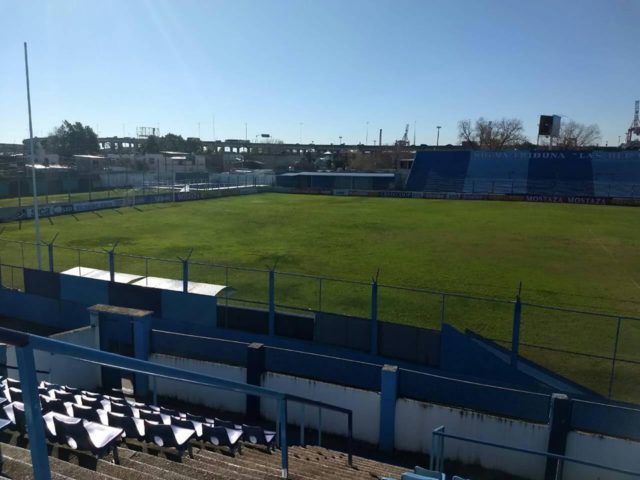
(405, 138)
(635, 124)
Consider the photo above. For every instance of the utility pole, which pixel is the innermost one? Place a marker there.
(36, 213)
(438, 136)
(414, 133)
(366, 141)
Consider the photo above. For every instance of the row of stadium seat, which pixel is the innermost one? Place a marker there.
(97, 423)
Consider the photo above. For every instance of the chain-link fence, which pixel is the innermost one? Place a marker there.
(598, 351)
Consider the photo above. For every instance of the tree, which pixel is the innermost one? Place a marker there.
(72, 139)
(151, 145)
(492, 135)
(173, 143)
(577, 135)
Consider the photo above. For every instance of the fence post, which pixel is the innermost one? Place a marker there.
(50, 248)
(112, 266)
(302, 422)
(559, 427)
(33, 414)
(613, 360)
(284, 451)
(272, 302)
(374, 317)
(515, 333)
(185, 275)
(319, 426)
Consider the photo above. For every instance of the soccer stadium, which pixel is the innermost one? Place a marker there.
(287, 291)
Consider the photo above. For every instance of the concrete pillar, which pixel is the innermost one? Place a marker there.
(141, 350)
(255, 369)
(559, 427)
(388, 396)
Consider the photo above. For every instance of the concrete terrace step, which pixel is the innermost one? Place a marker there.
(305, 463)
(315, 460)
(19, 457)
(191, 469)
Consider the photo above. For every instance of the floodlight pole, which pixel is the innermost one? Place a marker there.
(36, 214)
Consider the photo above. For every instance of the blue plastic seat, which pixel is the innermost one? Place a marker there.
(83, 435)
(259, 436)
(221, 436)
(122, 408)
(14, 412)
(86, 413)
(50, 404)
(132, 427)
(169, 436)
(149, 415)
(15, 394)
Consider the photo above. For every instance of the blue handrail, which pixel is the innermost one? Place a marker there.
(437, 457)
(25, 343)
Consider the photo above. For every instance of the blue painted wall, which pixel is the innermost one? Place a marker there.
(180, 306)
(606, 419)
(462, 354)
(85, 291)
(477, 396)
(323, 368)
(201, 348)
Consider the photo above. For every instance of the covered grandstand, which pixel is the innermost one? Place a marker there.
(524, 172)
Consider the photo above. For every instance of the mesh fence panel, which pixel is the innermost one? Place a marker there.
(625, 385)
(13, 253)
(346, 298)
(409, 307)
(200, 272)
(297, 292)
(591, 372)
(491, 319)
(567, 330)
(94, 259)
(251, 287)
(573, 344)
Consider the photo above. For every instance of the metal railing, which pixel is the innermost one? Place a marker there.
(26, 343)
(437, 454)
(597, 350)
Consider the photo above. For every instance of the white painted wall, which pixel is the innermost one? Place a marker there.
(365, 405)
(615, 452)
(416, 420)
(61, 369)
(200, 394)
(69, 371)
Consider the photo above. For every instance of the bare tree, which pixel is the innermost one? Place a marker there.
(577, 135)
(465, 131)
(492, 135)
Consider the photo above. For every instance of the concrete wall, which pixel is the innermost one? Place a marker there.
(69, 371)
(61, 369)
(365, 405)
(416, 420)
(615, 452)
(199, 394)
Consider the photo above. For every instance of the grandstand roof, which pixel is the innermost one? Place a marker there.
(340, 174)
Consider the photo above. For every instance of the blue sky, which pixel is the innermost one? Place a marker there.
(332, 65)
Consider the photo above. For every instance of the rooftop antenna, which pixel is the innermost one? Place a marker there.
(36, 213)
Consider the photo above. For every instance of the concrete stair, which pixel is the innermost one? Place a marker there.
(140, 462)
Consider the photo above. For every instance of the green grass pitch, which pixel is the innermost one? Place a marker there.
(575, 256)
